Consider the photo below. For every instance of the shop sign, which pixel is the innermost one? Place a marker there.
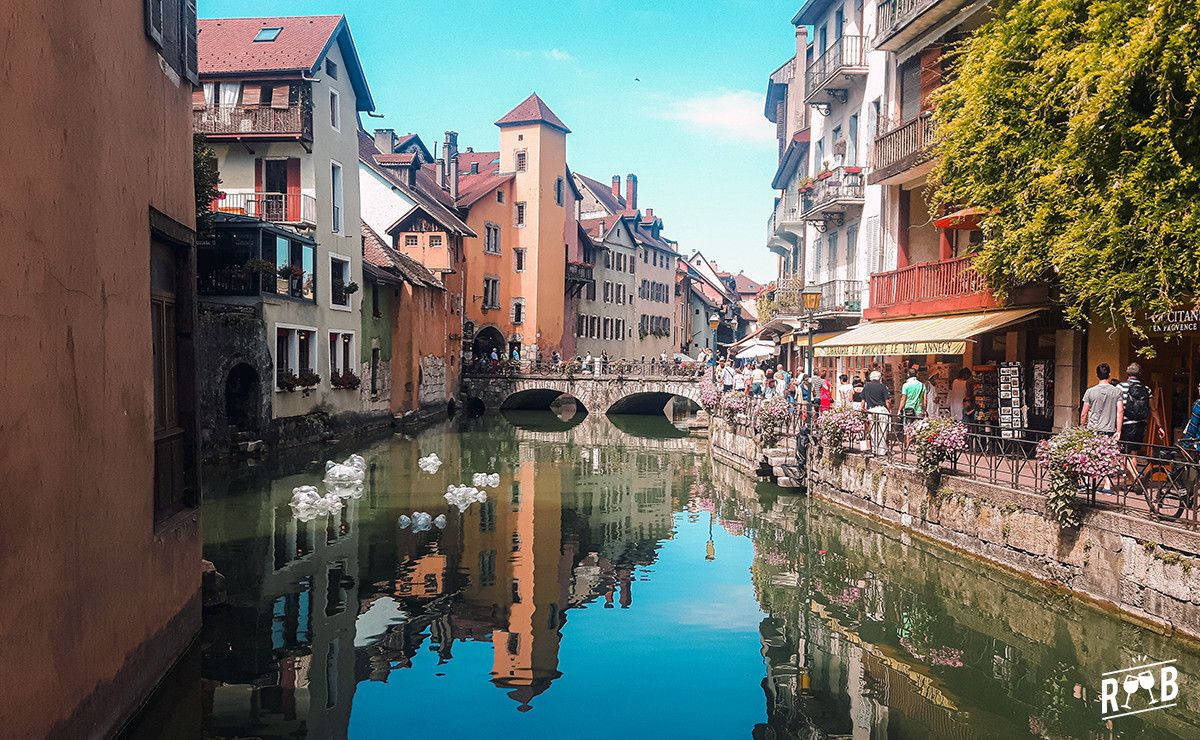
(1175, 322)
(958, 347)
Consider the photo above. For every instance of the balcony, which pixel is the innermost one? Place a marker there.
(901, 149)
(237, 122)
(578, 276)
(831, 193)
(930, 287)
(846, 56)
(279, 208)
(900, 22)
(838, 297)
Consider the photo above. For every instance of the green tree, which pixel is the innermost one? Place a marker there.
(207, 178)
(1075, 123)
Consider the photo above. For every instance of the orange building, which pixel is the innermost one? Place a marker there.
(101, 529)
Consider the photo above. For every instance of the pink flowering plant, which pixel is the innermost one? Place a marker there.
(1072, 458)
(732, 404)
(935, 441)
(773, 416)
(834, 429)
(710, 395)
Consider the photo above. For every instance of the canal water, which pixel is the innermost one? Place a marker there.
(619, 583)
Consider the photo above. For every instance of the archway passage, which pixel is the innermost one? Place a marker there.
(538, 399)
(489, 338)
(647, 403)
(243, 397)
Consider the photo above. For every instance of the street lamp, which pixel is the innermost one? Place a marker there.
(714, 321)
(812, 301)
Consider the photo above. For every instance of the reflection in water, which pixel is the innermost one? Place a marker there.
(615, 575)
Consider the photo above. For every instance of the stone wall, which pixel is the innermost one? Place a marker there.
(432, 388)
(1144, 568)
(229, 336)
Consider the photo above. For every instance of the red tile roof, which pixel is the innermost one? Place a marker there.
(603, 193)
(377, 253)
(533, 110)
(227, 45)
(745, 285)
(425, 193)
(395, 159)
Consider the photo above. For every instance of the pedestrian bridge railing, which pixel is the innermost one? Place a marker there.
(597, 369)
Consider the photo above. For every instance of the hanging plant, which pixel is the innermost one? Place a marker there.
(773, 416)
(834, 429)
(936, 440)
(286, 381)
(1074, 457)
(350, 288)
(308, 379)
(258, 266)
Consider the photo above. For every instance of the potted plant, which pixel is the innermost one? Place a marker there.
(773, 416)
(852, 170)
(834, 429)
(1075, 457)
(734, 403)
(345, 380)
(936, 440)
(286, 381)
(307, 380)
(257, 266)
(824, 174)
(350, 288)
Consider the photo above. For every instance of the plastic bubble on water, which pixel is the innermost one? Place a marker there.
(404, 521)
(430, 463)
(491, 480)
(422, 521)
(439, 521)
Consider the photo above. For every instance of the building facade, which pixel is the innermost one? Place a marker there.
(279, 105)
(605, 317)
(99, 395)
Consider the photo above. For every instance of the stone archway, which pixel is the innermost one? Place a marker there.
(487, 339)
(243, 398)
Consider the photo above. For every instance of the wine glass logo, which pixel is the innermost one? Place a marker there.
(1146, 681)
(1131, 685)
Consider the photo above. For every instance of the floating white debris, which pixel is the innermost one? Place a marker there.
(490, 480)
(430, 463)
(404, 521)
(439, 521)
(342, 478)
(464, 496)
(422, 521)
(307, 504)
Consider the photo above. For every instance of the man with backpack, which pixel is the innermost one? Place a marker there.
(1136, 397)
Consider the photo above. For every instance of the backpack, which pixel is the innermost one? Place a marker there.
(1137, 401)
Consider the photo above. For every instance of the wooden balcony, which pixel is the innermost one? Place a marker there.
(901, 149)
(280, 208)
(238, 122)
(931, 287)
(847, 57)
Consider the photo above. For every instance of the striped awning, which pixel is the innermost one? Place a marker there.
(932, 335)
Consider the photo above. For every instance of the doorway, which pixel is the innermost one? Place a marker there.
(242, 398)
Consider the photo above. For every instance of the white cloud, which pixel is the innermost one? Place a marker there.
(723, 114)
(558, 55)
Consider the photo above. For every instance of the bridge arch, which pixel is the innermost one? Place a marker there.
(529, 399)
(602, 394)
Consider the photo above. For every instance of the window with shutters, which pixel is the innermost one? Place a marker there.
(154, 12)
(910, 89)
(591, 291)
(491, 239)
(341, 352)
(491, 292)
(581, 326)
(833, 255)
(852, 252)
(331, 68)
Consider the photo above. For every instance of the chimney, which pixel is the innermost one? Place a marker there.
(449, 152)
(454, 177)
(442, 173)
(616, 186)
(385, 140)
(649, 214)
(631, 191)
(474, 167)
(470, 149)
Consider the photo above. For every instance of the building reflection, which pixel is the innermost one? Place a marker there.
(869, 634)
(313, 608)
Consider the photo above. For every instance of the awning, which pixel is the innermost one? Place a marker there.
(933, 335)
(967, 219)
(800, 338)
(758, 349)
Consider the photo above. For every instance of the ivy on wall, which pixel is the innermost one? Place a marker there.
(1075, 123)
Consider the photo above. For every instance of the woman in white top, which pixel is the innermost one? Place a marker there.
(739, 380)
(958, 393)
(845, 392)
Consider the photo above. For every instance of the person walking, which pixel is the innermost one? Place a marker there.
(726, 374)
(1191, 433)
(825, 392)
(856, 394)
(877, 398)
(1103, 408)
(739, 380)
(769, 385)
(1136, 398)
(783, 381)
(912, 398)
(845, 392)
(757, 380)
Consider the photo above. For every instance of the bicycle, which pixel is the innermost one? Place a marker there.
(1169, 483)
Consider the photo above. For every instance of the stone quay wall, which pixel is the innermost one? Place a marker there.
(1146, 569)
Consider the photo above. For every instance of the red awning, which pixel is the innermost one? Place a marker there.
(967, 219)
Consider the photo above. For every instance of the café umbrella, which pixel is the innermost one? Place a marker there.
(758, 349)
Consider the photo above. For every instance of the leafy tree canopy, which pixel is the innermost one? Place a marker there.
(1075, 122)
(206, 179)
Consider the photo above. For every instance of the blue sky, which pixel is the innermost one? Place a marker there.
(691, 128)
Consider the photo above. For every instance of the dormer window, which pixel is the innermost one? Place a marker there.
(267, 34)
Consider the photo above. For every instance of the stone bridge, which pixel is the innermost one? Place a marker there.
(598, 394)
